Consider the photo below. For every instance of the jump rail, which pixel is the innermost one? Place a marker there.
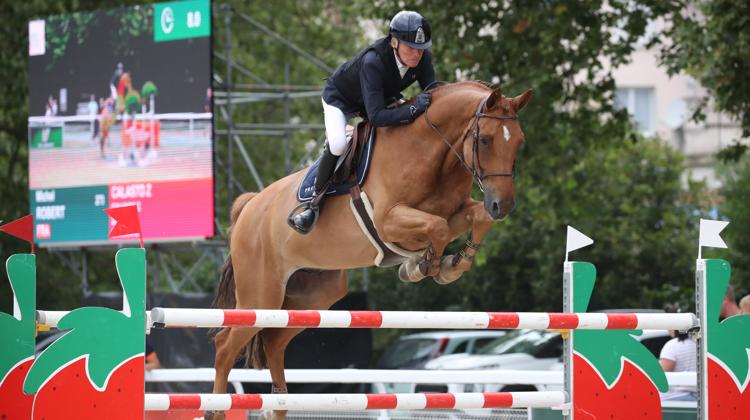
(353, 402)
(214, 318)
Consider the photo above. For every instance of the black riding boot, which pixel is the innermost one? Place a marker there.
(305, 221)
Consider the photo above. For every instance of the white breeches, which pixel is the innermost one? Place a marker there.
(335, 129)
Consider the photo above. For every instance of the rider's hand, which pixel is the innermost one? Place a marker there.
(420, 104)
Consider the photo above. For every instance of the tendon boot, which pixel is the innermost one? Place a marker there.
(304, 221)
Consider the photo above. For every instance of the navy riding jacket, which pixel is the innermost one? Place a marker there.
(371, 81)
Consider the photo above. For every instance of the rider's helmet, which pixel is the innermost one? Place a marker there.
(412, 29)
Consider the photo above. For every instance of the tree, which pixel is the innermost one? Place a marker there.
(736, 193)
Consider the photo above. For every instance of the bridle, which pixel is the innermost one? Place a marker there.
(475, 170)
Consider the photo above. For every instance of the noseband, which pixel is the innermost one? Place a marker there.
(475, 170)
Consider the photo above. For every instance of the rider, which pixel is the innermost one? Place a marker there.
(368, 83)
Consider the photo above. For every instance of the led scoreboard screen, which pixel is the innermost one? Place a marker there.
(120, 113)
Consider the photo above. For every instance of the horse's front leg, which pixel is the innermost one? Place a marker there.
(472, 215)
(406, 225)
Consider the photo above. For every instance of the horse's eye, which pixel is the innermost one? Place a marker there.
(485, 141)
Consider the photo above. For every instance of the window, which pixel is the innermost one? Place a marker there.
(640, 103)
(461, 348)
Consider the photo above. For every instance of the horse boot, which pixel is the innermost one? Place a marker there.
(304, 221)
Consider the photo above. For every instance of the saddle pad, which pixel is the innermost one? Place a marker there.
(307, 188)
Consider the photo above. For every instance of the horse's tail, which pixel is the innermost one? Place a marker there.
(225, 294)
(225, 298)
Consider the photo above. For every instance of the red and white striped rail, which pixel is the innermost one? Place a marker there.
(352, 402)
(214, 318)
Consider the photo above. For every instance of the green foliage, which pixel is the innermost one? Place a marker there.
(736, 193)
(710, 41)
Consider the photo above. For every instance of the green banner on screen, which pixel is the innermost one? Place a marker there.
(181, 20)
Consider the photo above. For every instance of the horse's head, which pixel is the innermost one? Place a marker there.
(493, 141)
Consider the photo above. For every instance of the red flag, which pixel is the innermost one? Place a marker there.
(126, 221)
(21, 228)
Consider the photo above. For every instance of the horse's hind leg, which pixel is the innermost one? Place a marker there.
(229, 343)
(305, 290)
(254, 289)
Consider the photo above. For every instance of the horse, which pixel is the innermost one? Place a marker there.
(419, 186)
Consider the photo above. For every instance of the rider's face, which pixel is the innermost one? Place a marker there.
(408, 55)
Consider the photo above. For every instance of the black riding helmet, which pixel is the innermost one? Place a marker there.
(412, 29)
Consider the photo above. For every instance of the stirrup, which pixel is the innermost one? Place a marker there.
(299, 209)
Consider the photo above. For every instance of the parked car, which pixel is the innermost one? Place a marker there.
(520, 350)
(412, 351)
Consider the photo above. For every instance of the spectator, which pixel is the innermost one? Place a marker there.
(52, 106)
(207, 102)
(115, 80)
(745, 305)
(93, 108)
(729, 305)
(679, 355)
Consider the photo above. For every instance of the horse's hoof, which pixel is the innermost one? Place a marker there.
(409, 272)
(272, 415)
(448, 272)
(213, 415)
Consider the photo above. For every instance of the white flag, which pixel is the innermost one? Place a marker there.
(576, 240)
(709, 233)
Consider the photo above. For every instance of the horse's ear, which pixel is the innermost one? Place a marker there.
(521, 100)
(494, 98)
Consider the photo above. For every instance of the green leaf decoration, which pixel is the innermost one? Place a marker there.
(133, 102)
(106, 337)
(608, 349)
(148, 89)
(18, 334)
(728, 340)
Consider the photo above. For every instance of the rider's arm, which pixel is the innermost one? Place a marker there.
(426, 74)
(371, 79)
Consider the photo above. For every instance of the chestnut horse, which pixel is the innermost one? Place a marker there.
(419, 185)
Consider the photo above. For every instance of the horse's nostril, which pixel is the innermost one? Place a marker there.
(495, 206)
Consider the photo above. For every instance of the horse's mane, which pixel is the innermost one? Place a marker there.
(441, 86)
(478, 87)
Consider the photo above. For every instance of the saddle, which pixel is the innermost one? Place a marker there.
(351, 168)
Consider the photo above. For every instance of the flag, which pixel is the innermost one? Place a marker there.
(576, 240)
(22, 228)
(126, 221)
(709, 233)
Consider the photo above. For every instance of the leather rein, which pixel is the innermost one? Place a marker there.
(475, 170)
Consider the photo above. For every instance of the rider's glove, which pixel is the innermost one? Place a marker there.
(420, 105)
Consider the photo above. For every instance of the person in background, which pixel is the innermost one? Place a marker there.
(745, 305)
(115, 80)
(207, 101)
(93, 108)
(152, 359)
(729, 305)
(52, 106)
(678, 355)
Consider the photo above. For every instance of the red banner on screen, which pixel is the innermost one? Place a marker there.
(169, 209)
